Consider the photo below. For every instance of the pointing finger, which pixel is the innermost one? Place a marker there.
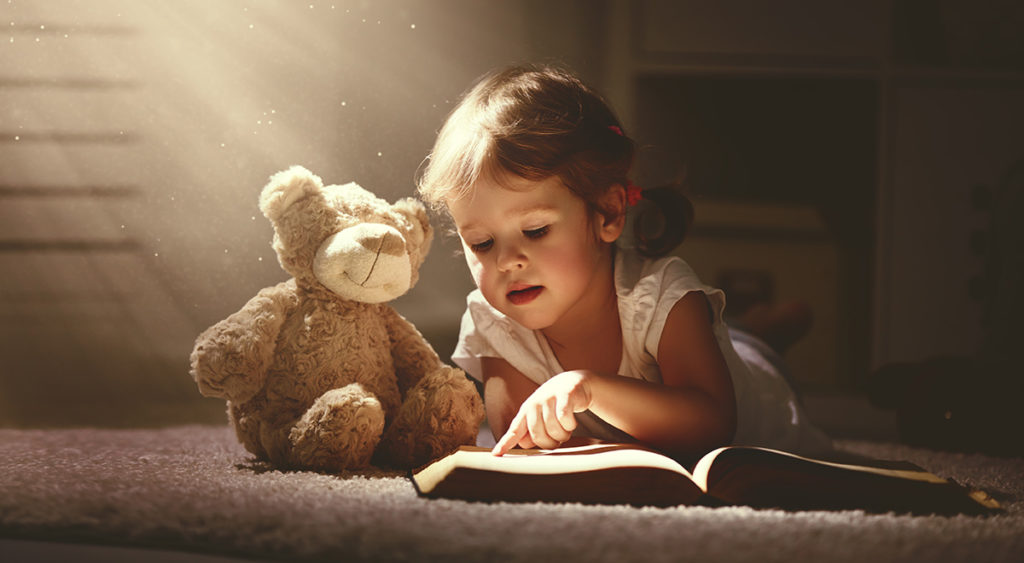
(515, 432)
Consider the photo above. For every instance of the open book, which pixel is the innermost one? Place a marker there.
(630, 474)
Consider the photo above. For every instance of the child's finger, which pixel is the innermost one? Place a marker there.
(526, 443)
(516, 431)
(537, 427)
(553, 422)
(565, 414)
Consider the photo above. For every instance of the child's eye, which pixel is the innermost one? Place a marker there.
(482, 246)
(537, 233)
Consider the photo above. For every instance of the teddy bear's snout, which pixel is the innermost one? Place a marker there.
(368, 262)
(386, 241)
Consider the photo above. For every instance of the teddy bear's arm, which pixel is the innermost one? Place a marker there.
(412, 354)
(231, 358)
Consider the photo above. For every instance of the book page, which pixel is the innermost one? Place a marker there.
(763, 477)
(901, 470)
(546, 462)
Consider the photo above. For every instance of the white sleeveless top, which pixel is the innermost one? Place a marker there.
(768, 413)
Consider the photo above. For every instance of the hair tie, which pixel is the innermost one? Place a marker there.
(634, 194)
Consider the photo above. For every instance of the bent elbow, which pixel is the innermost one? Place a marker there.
(729, 424)
(721, 430)
(726, 435)
(724, 431)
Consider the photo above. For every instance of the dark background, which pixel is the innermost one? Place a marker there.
(844, 153)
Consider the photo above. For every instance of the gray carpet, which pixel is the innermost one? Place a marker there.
(193, 489)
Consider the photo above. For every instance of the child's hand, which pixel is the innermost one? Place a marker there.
(547, 418)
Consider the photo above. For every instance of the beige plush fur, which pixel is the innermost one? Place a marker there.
(318, 371)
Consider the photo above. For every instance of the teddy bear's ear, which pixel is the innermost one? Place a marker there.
(416, 213)
(287, 187)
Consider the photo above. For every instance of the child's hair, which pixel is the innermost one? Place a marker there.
(536, 122)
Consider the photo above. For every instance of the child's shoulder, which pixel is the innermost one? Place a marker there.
(649, 287)
(637, 273)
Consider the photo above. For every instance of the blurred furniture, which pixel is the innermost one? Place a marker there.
(884, 116)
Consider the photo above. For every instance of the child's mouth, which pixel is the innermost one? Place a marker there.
(524, 295)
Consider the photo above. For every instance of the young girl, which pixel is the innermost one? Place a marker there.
(571, 332)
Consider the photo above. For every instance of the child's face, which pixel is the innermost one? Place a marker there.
(533, 250)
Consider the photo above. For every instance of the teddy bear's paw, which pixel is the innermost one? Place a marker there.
(340, 431)
(224, 375)
(230, 359)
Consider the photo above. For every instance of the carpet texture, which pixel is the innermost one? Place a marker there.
(193, 488)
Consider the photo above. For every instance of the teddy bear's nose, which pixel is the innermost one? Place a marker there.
(382, 242)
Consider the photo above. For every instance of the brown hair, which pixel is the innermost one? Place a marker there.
(536, 122)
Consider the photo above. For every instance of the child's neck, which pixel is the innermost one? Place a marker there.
(591, 336)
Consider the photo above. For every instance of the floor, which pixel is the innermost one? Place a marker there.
(23, 551)
(840, 415)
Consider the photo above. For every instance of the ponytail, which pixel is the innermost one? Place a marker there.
(663, 218)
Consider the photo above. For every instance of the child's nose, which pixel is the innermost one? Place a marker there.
(511, 257)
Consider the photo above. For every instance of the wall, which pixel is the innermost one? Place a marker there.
(136, 136)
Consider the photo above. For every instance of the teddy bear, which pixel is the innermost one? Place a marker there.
(318, 371)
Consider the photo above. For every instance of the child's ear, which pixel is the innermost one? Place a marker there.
(613, 213)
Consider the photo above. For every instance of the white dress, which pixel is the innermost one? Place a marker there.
(768, 413)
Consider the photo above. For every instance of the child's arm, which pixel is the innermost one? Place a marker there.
(505, 389)
(693, 411)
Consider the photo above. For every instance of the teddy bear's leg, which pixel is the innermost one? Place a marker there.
(267, 438)
(440, 413)
(340, 431)
(247, 430)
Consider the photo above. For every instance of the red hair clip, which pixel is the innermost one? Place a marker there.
(634, 194)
